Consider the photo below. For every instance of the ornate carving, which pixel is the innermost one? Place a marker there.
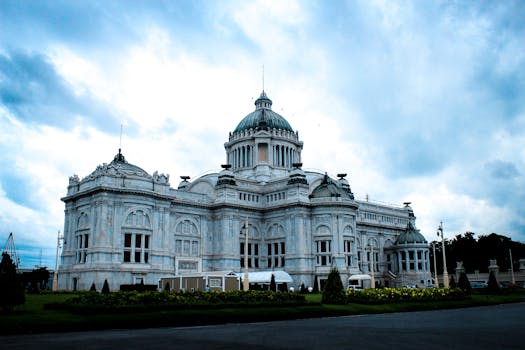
(74, 180)
(161, 178)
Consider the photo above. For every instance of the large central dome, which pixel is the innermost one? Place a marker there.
(263, 117)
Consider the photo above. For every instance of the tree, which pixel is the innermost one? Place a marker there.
(273, 286)
(11, 287)
(464, 283)
(93, 288)
(493, 285)
(105, 288)
(333, 292)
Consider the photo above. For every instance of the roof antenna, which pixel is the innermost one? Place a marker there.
(120, 142)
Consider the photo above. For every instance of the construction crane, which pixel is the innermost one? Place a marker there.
(10, 249)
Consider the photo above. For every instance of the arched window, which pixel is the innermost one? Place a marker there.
(187, 239)
(137, 233)
(82, 238)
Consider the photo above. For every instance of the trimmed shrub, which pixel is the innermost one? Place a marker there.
(452, 282)
(493, 286)
(333, 292)
(303, 289)
(464, 283)
(138, 287)
(123, 302)
(93, 288)
(105, 288)
(273, 286)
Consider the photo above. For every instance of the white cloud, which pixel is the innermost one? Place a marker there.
(379, 90)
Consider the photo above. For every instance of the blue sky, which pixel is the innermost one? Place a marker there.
(419, 101)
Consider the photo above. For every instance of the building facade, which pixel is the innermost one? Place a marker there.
(127, 226)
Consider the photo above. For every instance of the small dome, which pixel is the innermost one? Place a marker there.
(411, 236)
(328, 189)
(120, 163)
(263, 116)
(118, 167)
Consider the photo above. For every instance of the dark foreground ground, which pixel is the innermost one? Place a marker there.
(487, 327)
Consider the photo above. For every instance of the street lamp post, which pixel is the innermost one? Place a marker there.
(445, 272)
(246, 282)
(436, 281)
(55, 274)
(373, 280)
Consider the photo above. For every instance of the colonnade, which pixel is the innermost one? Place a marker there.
(413, 259)
(242, 157)
(282, 156)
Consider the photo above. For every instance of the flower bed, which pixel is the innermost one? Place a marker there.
(395, 295)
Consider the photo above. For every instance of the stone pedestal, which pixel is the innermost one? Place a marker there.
(459, 269)
(493, 266)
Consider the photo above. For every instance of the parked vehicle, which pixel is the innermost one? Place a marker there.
(478, 284)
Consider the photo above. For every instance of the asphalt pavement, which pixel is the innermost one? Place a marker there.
(488, 327)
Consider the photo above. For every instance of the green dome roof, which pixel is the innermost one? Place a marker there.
(328, 189)
(263, 116)
(410, 236)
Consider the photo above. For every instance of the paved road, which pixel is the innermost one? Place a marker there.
(490, 327)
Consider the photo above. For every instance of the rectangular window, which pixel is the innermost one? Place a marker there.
(82, 244)
(347, 248)
(276, 255)
(136, 248)
(324, 253)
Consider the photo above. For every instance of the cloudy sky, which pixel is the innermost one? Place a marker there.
(420, 101)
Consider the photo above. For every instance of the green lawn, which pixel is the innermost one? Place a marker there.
(33, 318)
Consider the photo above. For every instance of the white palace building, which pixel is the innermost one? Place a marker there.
(126, 226)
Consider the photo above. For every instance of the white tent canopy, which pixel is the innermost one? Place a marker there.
(359, 277)
(266, 277)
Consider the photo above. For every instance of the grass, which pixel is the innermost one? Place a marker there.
(33, 318)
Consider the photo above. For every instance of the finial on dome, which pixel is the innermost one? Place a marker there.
(119, 157)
